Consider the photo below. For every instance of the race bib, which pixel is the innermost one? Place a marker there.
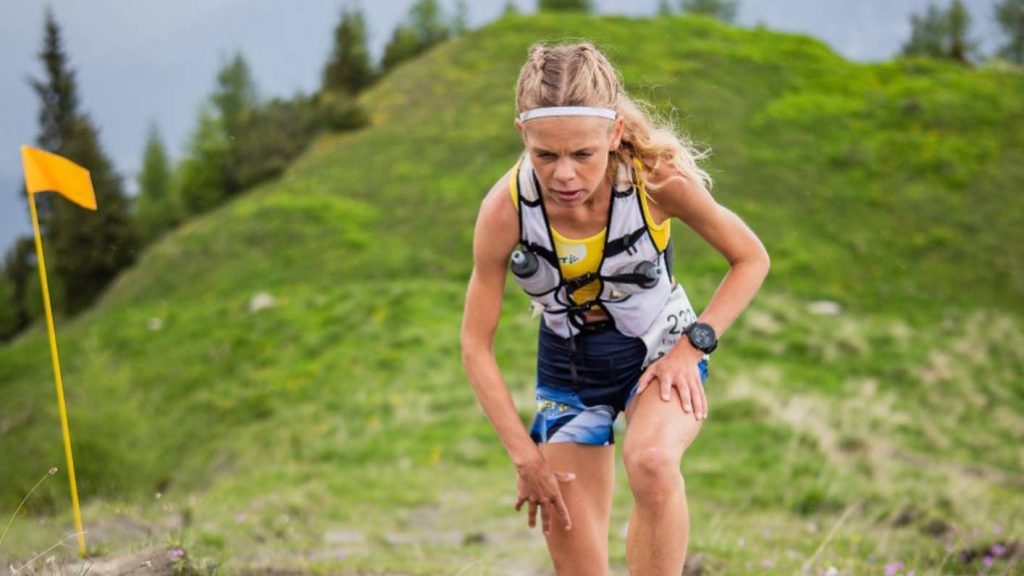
(669, 326)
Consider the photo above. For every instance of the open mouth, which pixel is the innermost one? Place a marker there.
(568, 195)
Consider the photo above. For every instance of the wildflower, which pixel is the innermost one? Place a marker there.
(987, 561)
(893, 568)
(176, 553)
(52, 471)
(998, 549)
(767, 563)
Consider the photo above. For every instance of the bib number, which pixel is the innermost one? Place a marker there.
(668, 328)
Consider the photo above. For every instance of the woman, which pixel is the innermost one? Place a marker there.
(589, 205)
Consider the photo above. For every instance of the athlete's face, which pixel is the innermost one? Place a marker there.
(570, 155)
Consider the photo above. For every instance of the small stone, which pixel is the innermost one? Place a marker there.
(155, 324)
(261, 301)
(825, 308)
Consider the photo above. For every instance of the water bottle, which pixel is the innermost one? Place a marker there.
(649, 270)
(533, 277)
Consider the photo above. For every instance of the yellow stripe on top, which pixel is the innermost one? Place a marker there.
(661, 231)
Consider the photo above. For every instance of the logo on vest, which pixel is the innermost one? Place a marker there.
(569, 254)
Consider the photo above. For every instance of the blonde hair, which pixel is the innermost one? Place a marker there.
(581, 75)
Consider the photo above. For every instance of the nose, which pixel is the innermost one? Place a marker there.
(564, 171)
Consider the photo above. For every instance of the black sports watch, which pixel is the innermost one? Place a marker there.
(702, 336)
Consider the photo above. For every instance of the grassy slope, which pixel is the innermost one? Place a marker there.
(337, 425)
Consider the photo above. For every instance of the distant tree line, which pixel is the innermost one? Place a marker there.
(945, 32)
(239, 141)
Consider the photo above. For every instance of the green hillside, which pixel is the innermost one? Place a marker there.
(335, 432)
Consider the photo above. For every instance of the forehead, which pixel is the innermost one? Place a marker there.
(567, 132)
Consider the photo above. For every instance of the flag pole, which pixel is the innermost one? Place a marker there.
(56, 373)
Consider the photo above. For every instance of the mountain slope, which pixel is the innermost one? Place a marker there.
(890, 188)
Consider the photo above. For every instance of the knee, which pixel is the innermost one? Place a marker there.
(654, 474)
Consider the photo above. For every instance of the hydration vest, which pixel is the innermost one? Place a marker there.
(635, 277)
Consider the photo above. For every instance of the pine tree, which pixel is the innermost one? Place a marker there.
(960, 46)
(510, 9)
(460, 21)
(156, 208)
(566, 6)
(402, 46)
(426, 27)
(724, 10)
(428, 23)
(664, 8)
(927, 33)
(202, 177)
(1010, 16)
(236, 92)
(349, 69)
(88, 248)
(18, 273)
(941, 33)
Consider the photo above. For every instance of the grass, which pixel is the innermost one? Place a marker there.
(334, 432)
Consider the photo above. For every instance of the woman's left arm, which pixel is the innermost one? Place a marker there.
(722, 229)
(748, 265)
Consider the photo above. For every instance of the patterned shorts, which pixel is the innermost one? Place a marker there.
(583, 385)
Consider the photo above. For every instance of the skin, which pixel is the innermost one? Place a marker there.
(571, 485)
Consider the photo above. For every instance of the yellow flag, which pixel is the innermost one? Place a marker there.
(46, 172)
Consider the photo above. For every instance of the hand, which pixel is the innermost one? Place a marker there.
(538, 485)
(678, 369)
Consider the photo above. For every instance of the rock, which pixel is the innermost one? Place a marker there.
(825, 308)
(155, 324)
(261, 301)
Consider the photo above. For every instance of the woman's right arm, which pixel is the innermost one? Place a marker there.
(494, 238)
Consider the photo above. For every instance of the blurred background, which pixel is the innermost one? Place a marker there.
(259, 327)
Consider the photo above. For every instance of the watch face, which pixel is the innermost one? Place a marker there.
(703, 337)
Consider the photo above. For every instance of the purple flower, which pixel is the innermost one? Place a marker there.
(893, 568)
(176, 553)
(987, 561)
(998, 549)
(767, 563)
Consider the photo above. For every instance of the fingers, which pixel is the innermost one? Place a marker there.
(698, 402)
(645, 379)
(519, 502)
(563, 512)
(533, 514)
(666, 388)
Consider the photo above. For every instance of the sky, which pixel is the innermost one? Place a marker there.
(144, 62)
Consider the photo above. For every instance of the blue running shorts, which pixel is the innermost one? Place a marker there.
(583, 384)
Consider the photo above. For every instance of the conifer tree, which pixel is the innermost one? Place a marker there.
(428, 23)
(236, 93)
(1010, 16)
(156, 208)
(664, 8)
(927, 33)
(88, 248)
(941, 33)
(510, 9)
(460, 21)
(724, 10)
(202, 178)
(566, 5)
(426, 27)
(349, 69)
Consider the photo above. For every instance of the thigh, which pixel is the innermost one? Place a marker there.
(655, 423)
(584, 549)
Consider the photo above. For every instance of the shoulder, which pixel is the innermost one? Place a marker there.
(497, 224)
(675, 193)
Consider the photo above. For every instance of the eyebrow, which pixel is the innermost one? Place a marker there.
(590, 149)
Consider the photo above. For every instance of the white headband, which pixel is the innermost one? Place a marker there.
(567, 111)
